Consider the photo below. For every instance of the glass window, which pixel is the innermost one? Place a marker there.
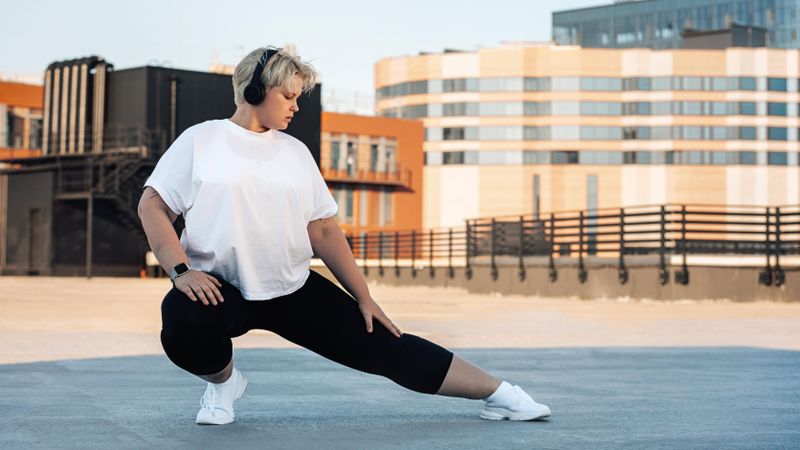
(777, 158)
(747, 84)
(692, 157)
(500, 109)
(691, 83)
(537, 108)
(601, 84)
(691, 132)
(433, 158)
(662, 83)
(565, 132)
(565, 108)
(536, 133)
(718, 108)
(506, 133)
(719, 158)
(536, 84)
(453, 158)
(500, 84)
(661, 108)
(776, 109)
(453, 134)
(776, 133)
(719, 84)
(661, 133)
(747, 133)
(433, 134)
(776, 84)
(692, 108)
(335, 150)
(719, 133)
(565, 157)
(565, 84)
(471, 157)
(747, 158)
(747, 108)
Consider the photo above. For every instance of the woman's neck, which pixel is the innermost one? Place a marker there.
(247, 120)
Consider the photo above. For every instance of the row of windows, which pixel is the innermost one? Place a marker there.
(344, 199)
(575, 132)
(519, 84)
(574, 108)
(683, 157)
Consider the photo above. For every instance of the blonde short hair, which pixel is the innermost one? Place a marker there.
(279, 72)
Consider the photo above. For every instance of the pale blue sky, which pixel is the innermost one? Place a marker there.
(343, 38)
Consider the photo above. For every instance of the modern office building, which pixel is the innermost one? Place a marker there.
(20, 120)
(524, 128)
(661, 23)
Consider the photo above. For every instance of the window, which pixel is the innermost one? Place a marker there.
(453, 158)
(565, 157)
(374, 152)
(565, 84)
(776, 84)
(776, 109)
(386, 213)
(453, 134)
(777, 158)
(747, 108)
(776, 133)
(691, 83)
(433, 158)
(747, 84)
(363, 209)
(747, 133)
(335, 154)
(536, 84)
(747, 158)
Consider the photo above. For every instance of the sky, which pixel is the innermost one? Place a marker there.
(342, 39)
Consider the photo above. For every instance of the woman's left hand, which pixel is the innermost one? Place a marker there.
(370, 309)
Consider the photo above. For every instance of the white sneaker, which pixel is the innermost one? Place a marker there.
(511, 402)
(217, 402)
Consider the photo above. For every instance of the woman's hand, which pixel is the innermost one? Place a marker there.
(370, 309)
(200, 285)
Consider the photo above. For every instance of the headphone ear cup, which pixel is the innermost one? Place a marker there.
(254, 94)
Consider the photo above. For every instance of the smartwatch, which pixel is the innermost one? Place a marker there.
(178, 270)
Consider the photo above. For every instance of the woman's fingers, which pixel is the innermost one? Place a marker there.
(368, 319)
(389, 325)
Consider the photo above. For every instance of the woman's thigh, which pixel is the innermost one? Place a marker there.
(325, 319)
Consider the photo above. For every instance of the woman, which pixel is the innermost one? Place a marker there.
(256, 209)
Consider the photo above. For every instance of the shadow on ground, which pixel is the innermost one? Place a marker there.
(600, 397)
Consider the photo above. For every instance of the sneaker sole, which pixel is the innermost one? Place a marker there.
(496, 414)
(239, 394)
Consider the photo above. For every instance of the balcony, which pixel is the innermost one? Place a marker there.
(400, 177)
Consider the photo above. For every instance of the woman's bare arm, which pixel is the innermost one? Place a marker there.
(157, 221)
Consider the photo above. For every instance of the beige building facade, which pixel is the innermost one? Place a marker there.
(526, 128)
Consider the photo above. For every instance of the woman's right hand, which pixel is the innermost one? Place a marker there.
(200, 285)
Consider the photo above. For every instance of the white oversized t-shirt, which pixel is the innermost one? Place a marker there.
(247, 199)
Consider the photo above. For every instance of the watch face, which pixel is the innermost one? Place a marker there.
(181, 269)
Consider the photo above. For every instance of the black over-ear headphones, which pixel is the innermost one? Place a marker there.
(255, 91)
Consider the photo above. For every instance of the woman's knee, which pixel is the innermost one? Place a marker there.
(197, 354)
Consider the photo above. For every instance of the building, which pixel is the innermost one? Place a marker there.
(374, 165)
(661, 23)
(524, 128)
(20, 120)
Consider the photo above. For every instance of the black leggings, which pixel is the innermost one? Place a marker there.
(319, 316)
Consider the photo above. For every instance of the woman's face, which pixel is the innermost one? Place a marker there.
(280, 105)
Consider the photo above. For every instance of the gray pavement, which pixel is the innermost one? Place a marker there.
(618, 397)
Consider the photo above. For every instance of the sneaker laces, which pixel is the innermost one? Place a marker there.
(209, 399)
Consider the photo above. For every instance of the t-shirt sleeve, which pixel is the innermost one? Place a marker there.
(172, 176)
(324, 204)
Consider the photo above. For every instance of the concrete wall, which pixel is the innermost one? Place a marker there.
(738, 284)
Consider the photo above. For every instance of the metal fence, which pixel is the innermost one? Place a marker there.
(662, 231)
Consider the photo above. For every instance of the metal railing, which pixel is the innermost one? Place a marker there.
(661, 231)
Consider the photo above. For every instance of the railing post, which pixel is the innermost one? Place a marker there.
(450, 271)
(468, 269)
(766, 275)
(380, 253)
(682, 276)
(780, 276)
(582, 274)
(552, 245)
(522, 273)
(413, 253)
(663, 273)
(430, 256)
(622, 271)
(492, 236)
(396, 254)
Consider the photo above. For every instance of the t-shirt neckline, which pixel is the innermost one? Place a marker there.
(269, 134)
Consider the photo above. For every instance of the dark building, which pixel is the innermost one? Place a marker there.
(661, 23)
(735, 36)
(73, 211)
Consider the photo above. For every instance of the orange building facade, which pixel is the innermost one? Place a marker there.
(374, 166)
(20, 120)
